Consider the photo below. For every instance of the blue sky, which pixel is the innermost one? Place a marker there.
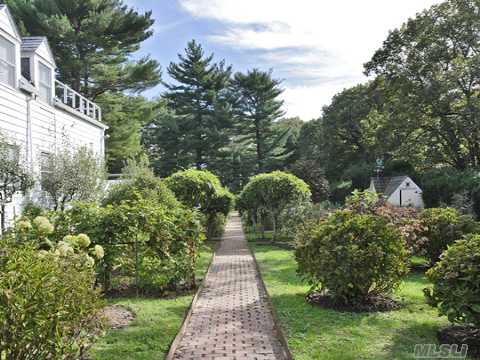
(316, 47)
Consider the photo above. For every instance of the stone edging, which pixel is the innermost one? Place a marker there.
(276, 322)
(181, 332)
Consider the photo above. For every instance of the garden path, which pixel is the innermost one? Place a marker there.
(231, 317)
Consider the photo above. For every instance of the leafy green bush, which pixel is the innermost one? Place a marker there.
(202, 190)
(353, 257)
(141, 188)
(48, 302)
(456, 282)
(441, 227)
(273, 192)
(405, 219)
(137, 235)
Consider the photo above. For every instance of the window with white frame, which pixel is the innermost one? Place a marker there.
(7, 62)
(45, 82)
(46, 166)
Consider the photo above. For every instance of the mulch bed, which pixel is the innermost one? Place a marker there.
(118, 316)
(373, 304)
(459, 335)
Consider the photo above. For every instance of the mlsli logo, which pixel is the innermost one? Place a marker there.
(444, 351)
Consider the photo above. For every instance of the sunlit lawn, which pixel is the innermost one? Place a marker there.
(316, 333)
(151, 333)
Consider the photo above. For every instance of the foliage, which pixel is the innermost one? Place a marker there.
(126, 116)
(200, 99)
(405, 219)
(155, 242)
(162, 138)
(257, 105)
(48, 302)
(430, 69)
(311, 172)
(202, 190)
(141, 188)
(273, 193)
(353, 257)
(14, 176)
(456, 279)
(442, 227)
(452, 187)
(71, 174)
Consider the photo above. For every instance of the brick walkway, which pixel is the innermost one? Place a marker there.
(231, 318)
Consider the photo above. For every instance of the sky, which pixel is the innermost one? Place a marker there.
(316, 47)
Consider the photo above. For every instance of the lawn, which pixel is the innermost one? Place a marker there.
(156, 324)
(316, 333)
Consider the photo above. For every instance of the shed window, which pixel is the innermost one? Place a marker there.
(45, 82)
(7, 62)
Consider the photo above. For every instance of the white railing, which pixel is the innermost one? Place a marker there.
(66, 95)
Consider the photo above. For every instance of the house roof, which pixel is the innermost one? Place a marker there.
(4, 8)
(387, 185)
(32, 43)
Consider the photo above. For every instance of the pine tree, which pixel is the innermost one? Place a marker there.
(199, 97)
(257, 107)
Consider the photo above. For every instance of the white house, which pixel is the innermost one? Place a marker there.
(398, 190)
(37, 112)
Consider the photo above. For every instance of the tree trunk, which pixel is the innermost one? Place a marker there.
(274, 224)
(258, 140)
(2, 219)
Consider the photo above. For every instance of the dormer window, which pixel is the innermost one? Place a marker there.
(45, 83)
(7, 62)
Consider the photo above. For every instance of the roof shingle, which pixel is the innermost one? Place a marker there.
(387, 185)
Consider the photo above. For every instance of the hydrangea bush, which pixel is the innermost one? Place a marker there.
(48, 300)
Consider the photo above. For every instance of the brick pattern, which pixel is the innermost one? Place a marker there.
(231, 318)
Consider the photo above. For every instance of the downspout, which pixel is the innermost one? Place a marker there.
(28, 148)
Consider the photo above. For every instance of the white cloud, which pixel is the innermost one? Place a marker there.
(318, 47)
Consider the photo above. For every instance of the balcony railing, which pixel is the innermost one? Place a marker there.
(67, 96)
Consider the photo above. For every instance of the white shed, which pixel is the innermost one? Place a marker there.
(398, 190)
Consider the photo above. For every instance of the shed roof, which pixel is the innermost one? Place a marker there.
(387, 185)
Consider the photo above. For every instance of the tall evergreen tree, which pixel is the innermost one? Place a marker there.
(257, 106)
(92, 41)
(126, 116)
(199, 97)
(164, 143)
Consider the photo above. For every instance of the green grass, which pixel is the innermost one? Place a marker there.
(316, 333)
(156, 324)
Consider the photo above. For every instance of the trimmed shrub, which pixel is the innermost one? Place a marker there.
(352, 257)
(141, 188)
(456, 282)
(273, 193)
(441, 227)
(48, 302)
(202, 190)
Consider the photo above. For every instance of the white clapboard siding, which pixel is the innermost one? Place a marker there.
(51, 127)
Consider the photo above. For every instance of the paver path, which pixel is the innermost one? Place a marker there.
(231, 318)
